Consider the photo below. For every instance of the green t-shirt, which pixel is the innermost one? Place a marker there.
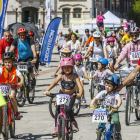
(2, 100)
(120, 36)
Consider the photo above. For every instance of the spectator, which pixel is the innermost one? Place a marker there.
(69, 31)
(85, 37)
(41, 39)
(59, 40)
(65, 41)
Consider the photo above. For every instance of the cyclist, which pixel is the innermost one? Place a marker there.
(31, 34)
(69, 80)
(9, 73)
(5, 44)
(2, 103)
(74, 44)
(111, 53)
(26, 51)
(80, 70)
(85, 37)
(126, 38)
(109, 98)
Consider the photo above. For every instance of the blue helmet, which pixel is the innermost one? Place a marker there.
(113, 78)
(103, 61)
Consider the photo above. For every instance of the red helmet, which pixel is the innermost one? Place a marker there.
(21, 30)
(30, 33)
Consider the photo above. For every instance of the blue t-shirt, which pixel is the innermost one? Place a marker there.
(41, 40)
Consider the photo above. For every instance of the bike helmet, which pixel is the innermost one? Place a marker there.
(31, 33)
(103, 61)
(66, 62)
(134, 30)
(114, 79)
(109, 34)
(21, 30)
(77, 57)
(97, 34)
(8, 55)
(65, 50)
(93, 30)
(110, 39)
(86, 30)
(114, 35)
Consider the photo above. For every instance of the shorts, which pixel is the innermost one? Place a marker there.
(81, 78)
(14, 90)
(100, 24)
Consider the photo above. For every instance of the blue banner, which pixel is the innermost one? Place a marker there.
(3, 8)
(49, 40)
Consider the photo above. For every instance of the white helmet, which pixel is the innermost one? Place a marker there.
(126, 29)
(97, 34)
(134, 30)
(109, 34)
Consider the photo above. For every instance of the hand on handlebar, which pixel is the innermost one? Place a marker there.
(47, 93)
(79, 52)
(53, 75)
(34, 61)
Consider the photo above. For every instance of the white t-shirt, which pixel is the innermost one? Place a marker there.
(74, 48)
(17, 72)
(108, 99)
(97, 51)
(80, 71)
(110, 51)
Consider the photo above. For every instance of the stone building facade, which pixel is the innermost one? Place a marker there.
(21, 10)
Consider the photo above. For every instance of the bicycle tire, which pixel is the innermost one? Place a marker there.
(50, 107)
(99, 134)
(69, 135)
(21, 102)
(128, 107)
(78, 106)
(137, 111)
(5, 122)
(12, 125)
(61, 128)
(92, 90)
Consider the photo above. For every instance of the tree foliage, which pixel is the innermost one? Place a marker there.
(134, 12)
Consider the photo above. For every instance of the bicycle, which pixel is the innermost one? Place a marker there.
(7, 113)
(132, 96)
(28, 90)
(102, 114)
(63, 127)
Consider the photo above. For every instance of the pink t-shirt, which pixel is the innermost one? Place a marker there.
(100, 18)
(103, 73)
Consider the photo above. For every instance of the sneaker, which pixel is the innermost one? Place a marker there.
(124, 96)
(74, 126)
(18, 116)
(118, 136)
(83, 100)
(54, 134)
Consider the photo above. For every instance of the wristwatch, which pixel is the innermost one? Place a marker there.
(34, 57)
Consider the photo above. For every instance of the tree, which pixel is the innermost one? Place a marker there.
(134, 12)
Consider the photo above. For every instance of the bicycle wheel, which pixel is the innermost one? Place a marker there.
(137, 110)
(21, 97)
(12, 125)
(76, 107)
(128, 106)
(52, 106)
(69, 135)
(92, 90)
(61, 128)
(100, 135)
(5, 122)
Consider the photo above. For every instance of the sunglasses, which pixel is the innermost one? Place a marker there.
(96, 37)
(134, 35)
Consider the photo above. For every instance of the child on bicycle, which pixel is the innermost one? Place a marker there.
(111, 53)
(2, 103)
(80, 70)
(9, 73)
(111, 98)
(65, 52)
(102, 71)
(68, 80)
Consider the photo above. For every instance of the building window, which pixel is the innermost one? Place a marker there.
(66, 16)
(77, 13)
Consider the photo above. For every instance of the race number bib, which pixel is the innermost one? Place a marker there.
(7, 48)
(63, 99)
(5, 90)
(110, 60)
(134, 55)
(93, 60)
(99, 80)
(22, 67)
(99, 116)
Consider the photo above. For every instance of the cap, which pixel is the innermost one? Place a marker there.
(66, 35)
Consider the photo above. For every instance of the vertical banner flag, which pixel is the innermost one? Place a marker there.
(49, 40)
(3, 8)
(48, 7)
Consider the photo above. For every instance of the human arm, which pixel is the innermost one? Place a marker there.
(34, 53)
(105, 51)
(103, 17)
(85, 73)
(83, 41)
(84, 46)
(58, 68)
(93, 102)
(118, 104)
(21, 79)
(80, 48)
(116, 55)
(89, 49)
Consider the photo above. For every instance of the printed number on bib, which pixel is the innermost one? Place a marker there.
(134, 55)
(5, 90)
(63, 99)
(99, 116)
(7, 48)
